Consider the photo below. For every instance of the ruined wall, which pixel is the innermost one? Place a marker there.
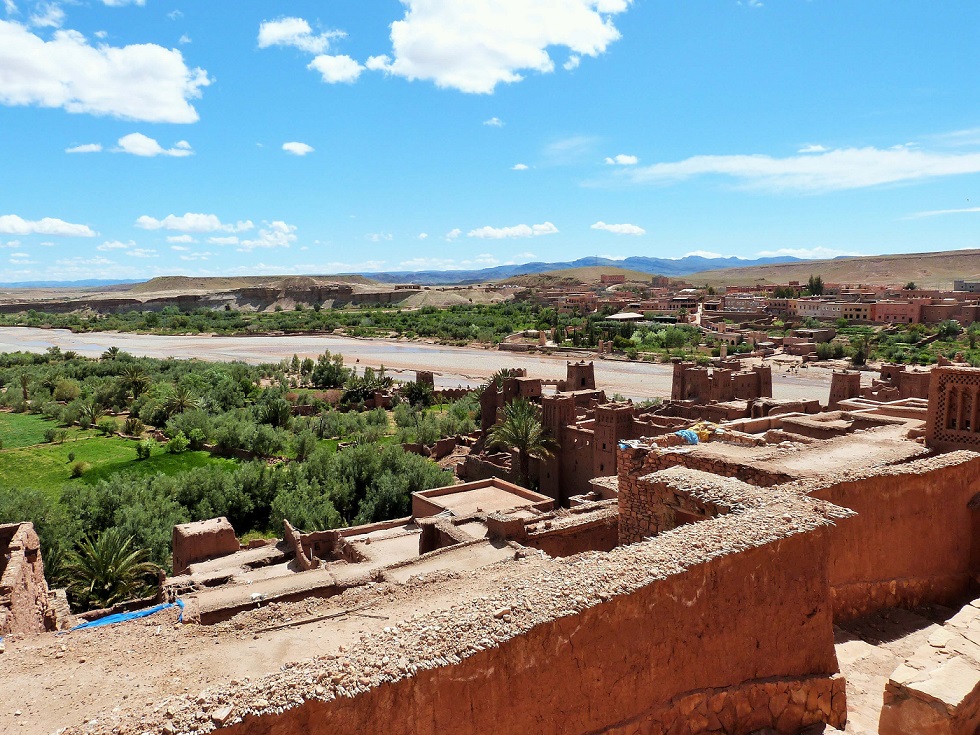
(595, 534)
(23, 589)
(699, 649)
(201, 540)
(914, 539)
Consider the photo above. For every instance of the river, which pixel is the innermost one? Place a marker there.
(453, 366)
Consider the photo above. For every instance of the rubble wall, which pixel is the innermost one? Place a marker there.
(23, 589)
(743, 640)
(914, 539)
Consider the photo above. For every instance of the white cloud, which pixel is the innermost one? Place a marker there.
(474, 46)
(494, 122)
(499, 233)
(141, 253)
(11, 224)
(48, 15)
(179, 248)
(184, 40)
(192, 222)
(138, 144)
(297, 33)
(817, 253)
(845, 168)
(336, 69)
(519, 167)
(572, 63)
(11, 244)
(943, 212)
(181, 238)
(297, 149)
(115, 245)
(380, 237)
(11, 7)
(204, 255)
(142, 82)
(422, 236)
(227, 240)
(624, 229)
(703, 254)
(276, 234)
(812, 148)
(121, 3)
(85, 148)
(622, 159)
(453, 233)
(750, 3)
(570, 149)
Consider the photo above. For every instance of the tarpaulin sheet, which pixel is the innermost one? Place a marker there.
(135, 615)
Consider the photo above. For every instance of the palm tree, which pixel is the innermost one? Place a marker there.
(108, 570)
(521, 428)
(25, 384)
(180, 399)
(111, 354)
(134, 379)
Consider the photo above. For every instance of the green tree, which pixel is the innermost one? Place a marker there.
(134, 379)
(112, 353)
(910, 286)
(521, 429)
(948, 329)
(417, 394)
(178, 400)
(108, 570)
(814, 285)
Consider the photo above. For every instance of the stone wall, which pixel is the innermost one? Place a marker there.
(23, 589)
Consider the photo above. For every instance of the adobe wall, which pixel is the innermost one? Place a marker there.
(914, 539)
(202, 540)
(598, 533)
(667, 636)
(23, 589)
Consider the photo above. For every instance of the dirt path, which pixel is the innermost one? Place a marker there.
(454, 366)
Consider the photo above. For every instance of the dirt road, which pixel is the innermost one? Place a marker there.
(453, 366)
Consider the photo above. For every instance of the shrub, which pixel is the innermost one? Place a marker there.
(133, 426)
(178, 443)
(79, 468)
(49, 435)
(196, 438)
(143, 449)
(66, 390)
(108, 426)
(71, 456)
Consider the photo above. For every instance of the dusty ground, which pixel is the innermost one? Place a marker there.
(51, 681)
(870, 649)
(454, 366)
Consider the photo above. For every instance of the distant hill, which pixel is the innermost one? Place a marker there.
(652, 266)
(187, 284)
(927, 270)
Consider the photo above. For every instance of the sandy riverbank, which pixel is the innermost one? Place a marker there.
(453, 366)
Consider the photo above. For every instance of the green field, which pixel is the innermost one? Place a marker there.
(28, 462)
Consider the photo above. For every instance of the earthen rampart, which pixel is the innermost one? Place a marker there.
(590, 649)
(916, 538)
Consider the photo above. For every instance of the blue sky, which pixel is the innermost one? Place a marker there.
(142, 138)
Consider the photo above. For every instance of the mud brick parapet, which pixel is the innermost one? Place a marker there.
(665, 631)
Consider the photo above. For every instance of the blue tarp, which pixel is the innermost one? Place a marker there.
(687, 435)
(135, 615)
